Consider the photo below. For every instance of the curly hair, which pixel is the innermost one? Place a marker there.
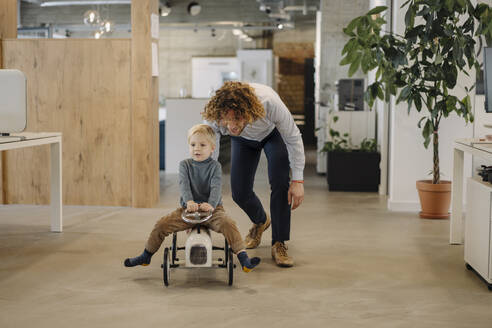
(238, 96)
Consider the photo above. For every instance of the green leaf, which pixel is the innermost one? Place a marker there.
(424, 11)
(376, 10)
(451, 74)
(418, 103)
(450, 4)
(427, 142)
(380, 93)
(405, 3)
(349, 46)
(467, 103)
(438, 60)
(354, 66)
(427, 132)
(410, 17)
(405, 93)
(349, 30)
(419, 124)
(378, 73)
(373, 90)
(345, 61)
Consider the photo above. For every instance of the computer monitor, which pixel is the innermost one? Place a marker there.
(13, 103)
(488, 79)
(351, 94)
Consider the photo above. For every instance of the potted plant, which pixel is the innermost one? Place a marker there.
(421, 68)
(349, 167)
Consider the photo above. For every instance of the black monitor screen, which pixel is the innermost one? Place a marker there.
(488, 79)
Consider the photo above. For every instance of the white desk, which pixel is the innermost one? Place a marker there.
(31, 139)
(475, 148)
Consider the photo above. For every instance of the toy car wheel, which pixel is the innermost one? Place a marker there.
(230, 267)
(166, 267)
(226, 252)
(174, 249)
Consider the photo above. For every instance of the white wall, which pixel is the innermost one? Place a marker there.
(181, 115)
(210, 73)
(409, 160)
(331, 20)
(256, 66)
(177, 47)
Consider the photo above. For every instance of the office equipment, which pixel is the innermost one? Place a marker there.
(350, 94)
(13, 101)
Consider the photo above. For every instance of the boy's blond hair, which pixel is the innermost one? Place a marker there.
(203, 129)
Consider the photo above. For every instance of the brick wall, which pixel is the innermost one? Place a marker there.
(289, 70)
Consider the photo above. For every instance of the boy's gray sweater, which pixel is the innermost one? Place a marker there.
(200, 181)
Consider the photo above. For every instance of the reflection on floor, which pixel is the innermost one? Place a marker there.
(357, 265)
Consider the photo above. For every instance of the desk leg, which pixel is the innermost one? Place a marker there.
(456, 223)
(56, 187)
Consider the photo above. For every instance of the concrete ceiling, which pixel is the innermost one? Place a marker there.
(219, 13)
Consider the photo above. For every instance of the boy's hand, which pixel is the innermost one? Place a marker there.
(191, 206)
(205, 207)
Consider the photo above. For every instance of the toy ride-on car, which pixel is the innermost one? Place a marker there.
(198, 249)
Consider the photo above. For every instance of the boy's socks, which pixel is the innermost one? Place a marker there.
(142, 259)
(247, 263)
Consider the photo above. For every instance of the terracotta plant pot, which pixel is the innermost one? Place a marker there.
(434, 199)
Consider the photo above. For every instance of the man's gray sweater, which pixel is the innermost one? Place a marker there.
(200, 181)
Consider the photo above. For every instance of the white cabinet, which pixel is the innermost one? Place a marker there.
(478, 228)
(210, 73)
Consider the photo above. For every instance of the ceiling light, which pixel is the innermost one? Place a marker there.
(91, 17)
(84, 3)
(280, 26)
(248, 39)
(107, 26)
(236, 32)
(194, 8)
(165, 9)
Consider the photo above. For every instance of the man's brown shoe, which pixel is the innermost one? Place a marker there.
(253, 238)
(279, 254)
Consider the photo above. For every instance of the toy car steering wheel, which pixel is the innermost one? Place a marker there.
(196, 217)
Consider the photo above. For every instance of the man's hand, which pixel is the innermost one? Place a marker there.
(296, 194)
(205, 207)
(191, 206)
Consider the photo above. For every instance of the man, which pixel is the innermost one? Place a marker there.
(256, 118)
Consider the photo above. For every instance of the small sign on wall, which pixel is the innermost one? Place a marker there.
(155, 61)
(154, 26)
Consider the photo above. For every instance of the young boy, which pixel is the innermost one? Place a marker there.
(200, 187)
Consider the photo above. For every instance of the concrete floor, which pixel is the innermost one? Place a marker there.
(357, 265)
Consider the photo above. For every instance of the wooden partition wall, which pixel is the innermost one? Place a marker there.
(8, 19)
(145, 107)
(82, 89)
(8, 29)
(100, 94)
